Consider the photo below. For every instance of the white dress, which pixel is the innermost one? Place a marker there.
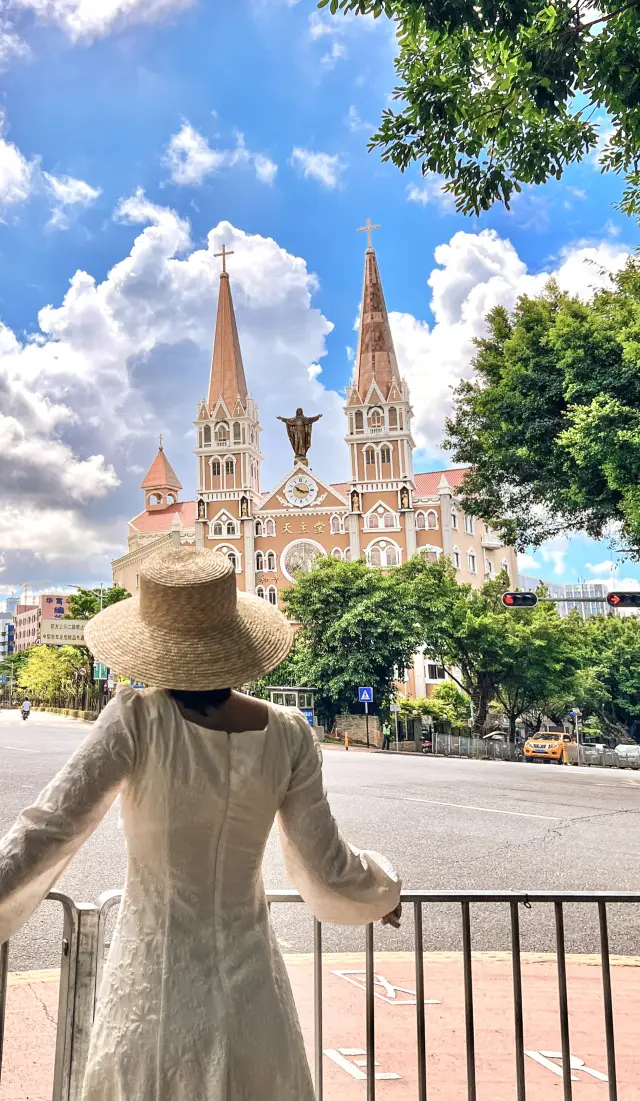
(195, 1003)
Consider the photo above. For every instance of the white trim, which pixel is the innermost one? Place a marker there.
(455, 551)
(375, 509)
(226, 549)
(338, 553)
(384, 540)
(427, 548)
(472, 554)
(224, 517)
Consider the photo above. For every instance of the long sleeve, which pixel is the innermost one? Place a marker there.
(36, 850)
(338, 882)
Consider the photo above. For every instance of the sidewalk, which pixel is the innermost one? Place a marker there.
(32, 1007)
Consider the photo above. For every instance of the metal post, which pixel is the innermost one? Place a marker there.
(608, 1002)
(317, 1005)
(397, 736)
(370, 1010)
(564, 1003)
(366, 721)
(4, 976)
(420, 1014)
(84, 995)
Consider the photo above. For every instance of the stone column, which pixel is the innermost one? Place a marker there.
(444, 491)
(200, 528)
(249, 533)
(353, 527)
(418, 673)
(410, 532)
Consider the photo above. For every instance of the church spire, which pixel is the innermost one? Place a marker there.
(161, 484)
(227, 372)
(376, 357)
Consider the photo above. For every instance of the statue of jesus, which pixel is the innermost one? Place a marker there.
(299, 433)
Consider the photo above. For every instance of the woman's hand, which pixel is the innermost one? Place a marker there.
(393, 918)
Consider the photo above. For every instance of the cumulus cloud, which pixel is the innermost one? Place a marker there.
(16, 172)
(338, 52)
(355, 123)
(475, 272)
(608, 566)
(528, 564)
(12, 47)
(118, 360)
(85, 20)
(191, 159)
(430, 191)
(326, 168)
(68, 192)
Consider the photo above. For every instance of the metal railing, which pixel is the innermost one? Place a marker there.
(83, 950)
(479, 749)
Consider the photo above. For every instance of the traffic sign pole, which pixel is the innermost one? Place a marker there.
(366, 721)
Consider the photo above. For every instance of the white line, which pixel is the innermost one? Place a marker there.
(488, 810)
(17, 749)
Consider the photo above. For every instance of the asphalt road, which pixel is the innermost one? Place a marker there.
(445, 824)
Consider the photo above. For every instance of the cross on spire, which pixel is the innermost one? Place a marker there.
(368, 229)
(225, 252)
(161, 441)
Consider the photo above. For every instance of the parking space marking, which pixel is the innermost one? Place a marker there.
(487, 810)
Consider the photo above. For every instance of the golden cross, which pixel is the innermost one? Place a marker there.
(224, 255)
(367, 229)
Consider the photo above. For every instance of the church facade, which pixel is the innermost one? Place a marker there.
(383, 511)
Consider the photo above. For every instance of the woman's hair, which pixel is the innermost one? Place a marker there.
(201, 702)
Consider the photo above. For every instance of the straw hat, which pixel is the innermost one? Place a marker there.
(190, 628)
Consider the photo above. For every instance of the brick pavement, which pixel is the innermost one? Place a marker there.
(32, 1007)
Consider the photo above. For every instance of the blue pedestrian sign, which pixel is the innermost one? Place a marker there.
(365, 695)
(308, 713)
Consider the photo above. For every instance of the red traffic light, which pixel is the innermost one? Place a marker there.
(520, 600)
(624, 600)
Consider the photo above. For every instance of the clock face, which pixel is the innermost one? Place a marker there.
(300, 490)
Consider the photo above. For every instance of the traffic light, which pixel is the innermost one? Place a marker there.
(624, 600)
(519, 600)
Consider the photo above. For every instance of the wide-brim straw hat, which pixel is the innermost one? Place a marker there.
(189, 628)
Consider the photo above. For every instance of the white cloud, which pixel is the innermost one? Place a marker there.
(430, 191)
(191, 159)
(90, 19)
(554, 552)
(607, 566)
(355, 123)
(338, 52)
(67, 191)
(11, 45)
(118, 360)
(16, 171)
(528, 564)
(324, 167)
(474, 273)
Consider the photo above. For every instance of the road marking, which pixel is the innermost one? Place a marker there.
(390, 991)
(545, 1057)
(488, 810)
(338, 1056)
(17, 749)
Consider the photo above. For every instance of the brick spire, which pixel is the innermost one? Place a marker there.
(376, 358)
(227, 372)
(161, 474)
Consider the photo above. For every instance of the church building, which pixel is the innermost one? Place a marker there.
(383, 511)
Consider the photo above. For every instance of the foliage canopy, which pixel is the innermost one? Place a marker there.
(497, 94)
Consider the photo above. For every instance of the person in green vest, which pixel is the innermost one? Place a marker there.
(386, 736)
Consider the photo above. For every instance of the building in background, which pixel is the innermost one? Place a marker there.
(383, 512)
(530, 585)
(28, 619)
(7, 629)
(585, 590)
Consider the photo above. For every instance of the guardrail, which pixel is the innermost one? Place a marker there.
(83, 949)
(479, 749)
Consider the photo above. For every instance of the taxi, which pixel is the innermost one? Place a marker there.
(546, 746)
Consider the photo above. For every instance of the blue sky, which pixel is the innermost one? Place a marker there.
(140, 135)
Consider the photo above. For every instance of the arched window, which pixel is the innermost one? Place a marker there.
(347, 555)
(335, 525)
(391, 556)
(370, 456)
(430, 554)
(385, 455)
(233, 560)
(432, 519)
(271, 561)
(218, 528)
(388, 520)
(473, 568)
(259, 561)
(215, 468)
(272, 594)
(376, 419)
(260, 592)
(393, 418)
(373, 521)
(488, 567)
(231, 528)
(420, 521)
(336, 553)
(375, 556)
(206, 435)
(229, 466)
(359, 420)
(222, 432)
(258, 527)
(270, 527)
(237, 432)
(231, 554)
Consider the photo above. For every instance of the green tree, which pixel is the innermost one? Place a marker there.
(49, 671)
(85, 603)
(356, 629)
(551, 423)
(447, 703)
(498, 94)
(542, 657)
(294, 671)
(613, 654)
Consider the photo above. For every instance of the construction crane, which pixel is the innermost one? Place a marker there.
(25, 585)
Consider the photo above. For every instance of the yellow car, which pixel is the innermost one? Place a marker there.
(547, 746)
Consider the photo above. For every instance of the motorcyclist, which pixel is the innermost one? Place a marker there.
(26, 707)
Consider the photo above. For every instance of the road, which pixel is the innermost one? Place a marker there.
(447, 824)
